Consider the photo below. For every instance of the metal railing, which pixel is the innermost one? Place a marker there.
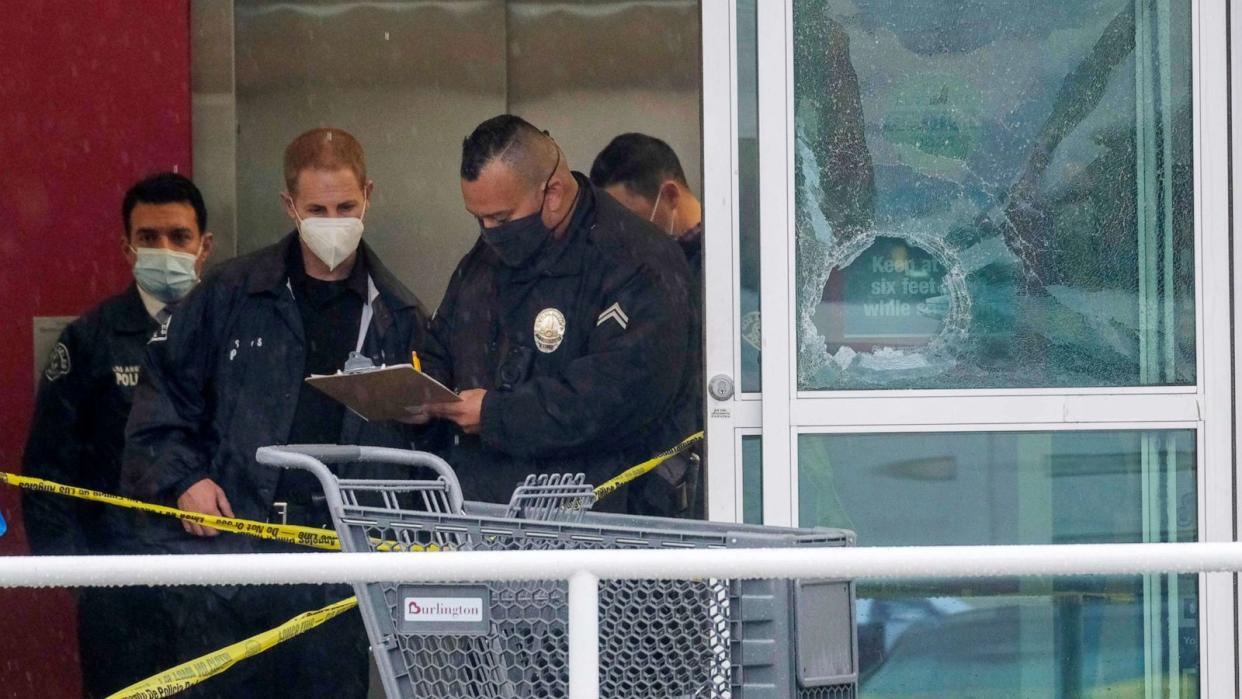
(583, 569)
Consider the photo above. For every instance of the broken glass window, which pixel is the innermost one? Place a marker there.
(999, 196)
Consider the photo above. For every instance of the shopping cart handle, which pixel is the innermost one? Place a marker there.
(327, 453)
(313, 457)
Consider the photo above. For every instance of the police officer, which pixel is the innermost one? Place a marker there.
(228, 377)
(79, 426)
(566, 327)
(645, 175)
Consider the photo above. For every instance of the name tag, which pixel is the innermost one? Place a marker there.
(126, 376)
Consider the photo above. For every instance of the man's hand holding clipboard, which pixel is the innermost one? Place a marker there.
(466, 413)
(401, 392)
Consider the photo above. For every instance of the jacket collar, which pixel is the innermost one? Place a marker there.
(270, 273)
(565, 258)
(691, 242)
(130, 315)
(270, 270)
(358, 280)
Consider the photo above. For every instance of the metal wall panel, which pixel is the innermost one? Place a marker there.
(410, 80)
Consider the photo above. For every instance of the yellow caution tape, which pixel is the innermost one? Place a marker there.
(187, 674)
(190, 673)
(289, 533)
(314, 537)
(645, 467)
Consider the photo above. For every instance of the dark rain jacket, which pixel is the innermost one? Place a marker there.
(78, 431)
(224, 380)
(609, 392)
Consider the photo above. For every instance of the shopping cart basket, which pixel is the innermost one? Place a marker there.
(742, 639)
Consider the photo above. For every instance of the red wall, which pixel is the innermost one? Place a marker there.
(93, 95)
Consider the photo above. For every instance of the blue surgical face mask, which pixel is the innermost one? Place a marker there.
(168, 275)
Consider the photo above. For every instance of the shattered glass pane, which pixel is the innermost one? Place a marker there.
(993, 195)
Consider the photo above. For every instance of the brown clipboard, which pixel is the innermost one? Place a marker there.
(384, 393)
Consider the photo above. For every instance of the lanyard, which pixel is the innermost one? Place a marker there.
(368, 311)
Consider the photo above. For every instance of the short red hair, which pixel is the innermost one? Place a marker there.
(324, 149)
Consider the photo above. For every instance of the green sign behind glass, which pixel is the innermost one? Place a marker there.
(893, 294)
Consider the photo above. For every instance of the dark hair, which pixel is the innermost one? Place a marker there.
(492, 139)
(165, 188)
(638, 161)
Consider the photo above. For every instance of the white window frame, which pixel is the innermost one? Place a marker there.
(741, 414)
(782, 411)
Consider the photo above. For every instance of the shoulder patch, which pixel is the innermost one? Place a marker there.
(58, 363)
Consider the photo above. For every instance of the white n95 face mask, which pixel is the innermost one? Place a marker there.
(332, 240)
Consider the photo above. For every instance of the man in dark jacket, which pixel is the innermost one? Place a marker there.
(228, 377)
(78, 430)
(565, 328)
(645, 175)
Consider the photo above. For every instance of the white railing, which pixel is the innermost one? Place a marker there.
(584, 568)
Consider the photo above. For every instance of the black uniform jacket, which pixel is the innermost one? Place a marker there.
(608, 392)
(78, 430)
(224, 380)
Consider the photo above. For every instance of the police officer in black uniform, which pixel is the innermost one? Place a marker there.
(79, 426)
(566, 328)
(228, 378)
(645, 175)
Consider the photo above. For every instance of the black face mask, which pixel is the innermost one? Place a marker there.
(517, 241)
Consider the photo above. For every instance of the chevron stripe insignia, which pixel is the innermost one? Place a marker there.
(614, 312)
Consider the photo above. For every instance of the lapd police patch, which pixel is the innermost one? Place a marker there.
(58, 364)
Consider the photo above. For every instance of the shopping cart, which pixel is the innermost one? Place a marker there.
(742, 639)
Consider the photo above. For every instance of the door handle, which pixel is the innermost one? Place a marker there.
(720, 387)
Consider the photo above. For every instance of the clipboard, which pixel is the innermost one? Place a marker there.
(385, 392)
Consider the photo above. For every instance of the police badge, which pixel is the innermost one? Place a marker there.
(549, 330)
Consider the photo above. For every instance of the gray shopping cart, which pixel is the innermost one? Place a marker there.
(716, 638)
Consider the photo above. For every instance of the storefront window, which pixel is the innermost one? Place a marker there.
(748, 191)
(993, 194)
(1046, 637)
(752, 479)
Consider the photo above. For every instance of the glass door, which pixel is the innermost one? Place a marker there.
(731, 218)
(994, 276)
